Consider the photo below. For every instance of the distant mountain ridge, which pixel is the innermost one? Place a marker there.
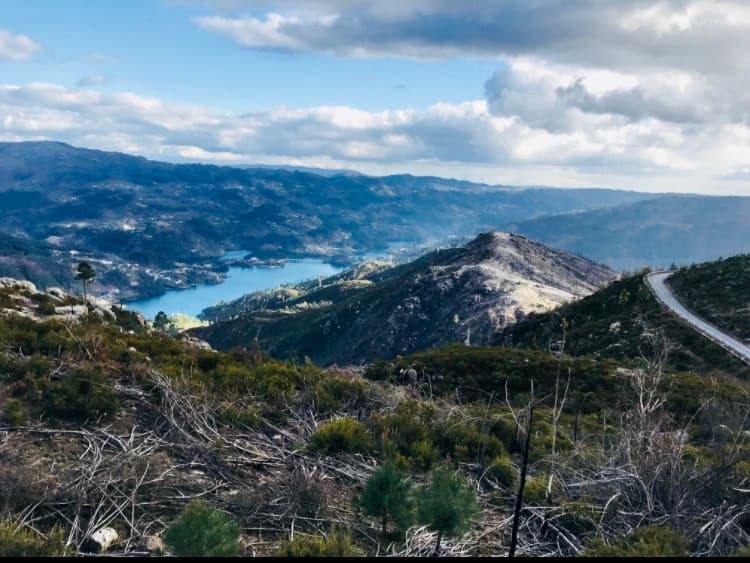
(678, 228)
(327, 172)
(464, 294)
(164, 225)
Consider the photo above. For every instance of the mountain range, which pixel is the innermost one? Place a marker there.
(659, 232)
(149, 226)
(464, 294)
(154, 225)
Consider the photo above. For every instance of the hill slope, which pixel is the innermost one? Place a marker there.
(30, 260)
(681, 229)
(719, 292)
(107, 424)
(457, 294)
(614, 323)
(139, 213)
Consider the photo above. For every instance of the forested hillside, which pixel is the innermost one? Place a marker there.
(140, 215)
(676, 229)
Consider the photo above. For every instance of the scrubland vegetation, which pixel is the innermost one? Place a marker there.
(193, 452)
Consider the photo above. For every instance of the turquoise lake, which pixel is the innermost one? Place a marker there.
(239, 281)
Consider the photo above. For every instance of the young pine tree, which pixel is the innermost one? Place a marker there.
(388, 496)
(447, 504)
(161, 321)
(85, 273)
(202, 531)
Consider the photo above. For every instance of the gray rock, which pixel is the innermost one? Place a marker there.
(197, 343)
(72, 310)
(101, 540)
(12, 283)
(57, 293)
(154, 544)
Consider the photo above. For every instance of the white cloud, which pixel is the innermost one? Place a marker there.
(494, 141)
(638, 87)
(17, 48)
(624, 34)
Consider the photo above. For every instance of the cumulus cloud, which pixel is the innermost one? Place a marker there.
(626, 85)
(626, 34)
(476, 139)
(17, 48)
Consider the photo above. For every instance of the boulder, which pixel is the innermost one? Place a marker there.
(154, 544)
(197, 343)
(12, 283)
(57, 293)
(141, 320)
(101, 540)
(72, 310)
(103, 313)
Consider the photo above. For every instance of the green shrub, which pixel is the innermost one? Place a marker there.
(579, 517)
(406, 433)
(535, 490)
(25, 543)
(46, 308)
(424, 455)
(332, 393)
(15, 412)
(388, 497)
(335, 545)
(503, 470)
(242, 416)
(202, 531)
(465, 441)
(85, 392)
(207, 361)
(341, 435)
(651, 541)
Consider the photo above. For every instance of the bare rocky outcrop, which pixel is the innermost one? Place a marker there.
(28, 301)
(466, 294)
(21, 285)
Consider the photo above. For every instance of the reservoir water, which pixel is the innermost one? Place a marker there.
(239, 281)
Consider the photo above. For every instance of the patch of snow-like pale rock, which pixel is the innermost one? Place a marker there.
(502, 277)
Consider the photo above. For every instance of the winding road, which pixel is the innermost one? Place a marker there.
(656, 281)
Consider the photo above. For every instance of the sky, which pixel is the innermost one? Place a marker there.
(647, 95)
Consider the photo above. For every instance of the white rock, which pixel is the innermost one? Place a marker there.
(154, 544)
(56, 292)
(197, 343)
(73, 310)
(103, 313)
(13, 283)
(101, 540)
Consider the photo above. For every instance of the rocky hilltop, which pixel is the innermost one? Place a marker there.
(464, 294)
(22, 298)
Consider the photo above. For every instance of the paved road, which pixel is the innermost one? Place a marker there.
(665, 295)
